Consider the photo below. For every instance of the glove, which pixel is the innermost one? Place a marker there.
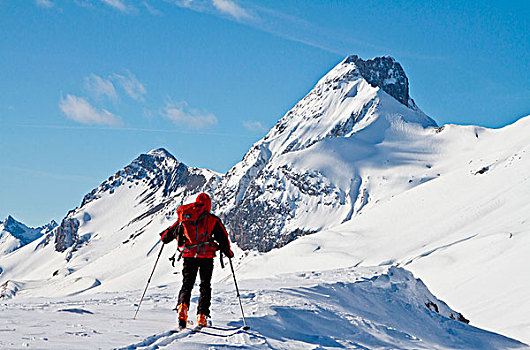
(166, 237)
(229, 254)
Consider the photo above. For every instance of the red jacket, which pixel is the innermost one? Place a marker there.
(201, 238)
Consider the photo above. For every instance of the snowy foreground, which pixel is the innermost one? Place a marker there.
(355, 308)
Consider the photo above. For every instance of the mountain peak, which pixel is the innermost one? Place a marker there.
(384, 72)
(12, 225)
(156, 169)
(19, 234)
(160, 152)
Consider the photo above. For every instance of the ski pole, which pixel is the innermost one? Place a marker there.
(245, 327)
(148, 281)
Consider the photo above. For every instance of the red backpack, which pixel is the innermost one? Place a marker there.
(197, 226)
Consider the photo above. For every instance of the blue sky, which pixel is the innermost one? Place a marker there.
(87, 85)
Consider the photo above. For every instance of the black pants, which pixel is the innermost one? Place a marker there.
(189, 273)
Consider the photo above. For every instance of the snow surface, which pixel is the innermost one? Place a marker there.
(355, 308)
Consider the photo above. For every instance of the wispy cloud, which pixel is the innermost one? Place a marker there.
(195, 5)
(226, 8)
(232, 9)
(44, 3)
(254, 126)
(100, 87)
(132, 86)
(120, 6)
(270, 21)
(153, 11)
(181, 114)
(81, 111)
(282, 25)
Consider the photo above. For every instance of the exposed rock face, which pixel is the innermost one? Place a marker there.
(385, 73)
(258, 220)
(66, 234)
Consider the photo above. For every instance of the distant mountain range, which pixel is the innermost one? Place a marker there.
(14, 234)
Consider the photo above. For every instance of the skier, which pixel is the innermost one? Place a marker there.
(199, 235)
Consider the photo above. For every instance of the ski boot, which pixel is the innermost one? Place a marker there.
(182, 311)
(202, 320)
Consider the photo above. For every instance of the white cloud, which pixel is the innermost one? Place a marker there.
(80, 110)
(101, 87)
(119, 5)
(230, 8)
(191, 4)
(182, 115)
(44, 3)
(254, 126)
(132, 86)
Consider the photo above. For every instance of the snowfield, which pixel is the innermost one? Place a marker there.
(354, 308)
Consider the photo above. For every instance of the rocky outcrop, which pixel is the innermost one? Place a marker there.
(385, 73)
(66, 234)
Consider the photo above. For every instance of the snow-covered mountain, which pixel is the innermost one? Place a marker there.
(14, 234)
(100, 237)
(308, 172)
(368, 180)
(149, 188)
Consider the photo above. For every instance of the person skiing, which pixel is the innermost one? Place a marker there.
(199, 235)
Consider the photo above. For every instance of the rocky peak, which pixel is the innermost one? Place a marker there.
(160, 153)
(48, 227)
(13, 226)
(384, 72)
(19, 231)
(156, 169)
(151, 161)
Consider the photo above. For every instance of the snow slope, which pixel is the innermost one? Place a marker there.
(354, 308)
(464, 232)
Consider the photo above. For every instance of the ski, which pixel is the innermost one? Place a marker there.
(197, 329)
(178, 330)
(182, 327)
(212, 331)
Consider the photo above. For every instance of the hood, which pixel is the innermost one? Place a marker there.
(205, 200)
